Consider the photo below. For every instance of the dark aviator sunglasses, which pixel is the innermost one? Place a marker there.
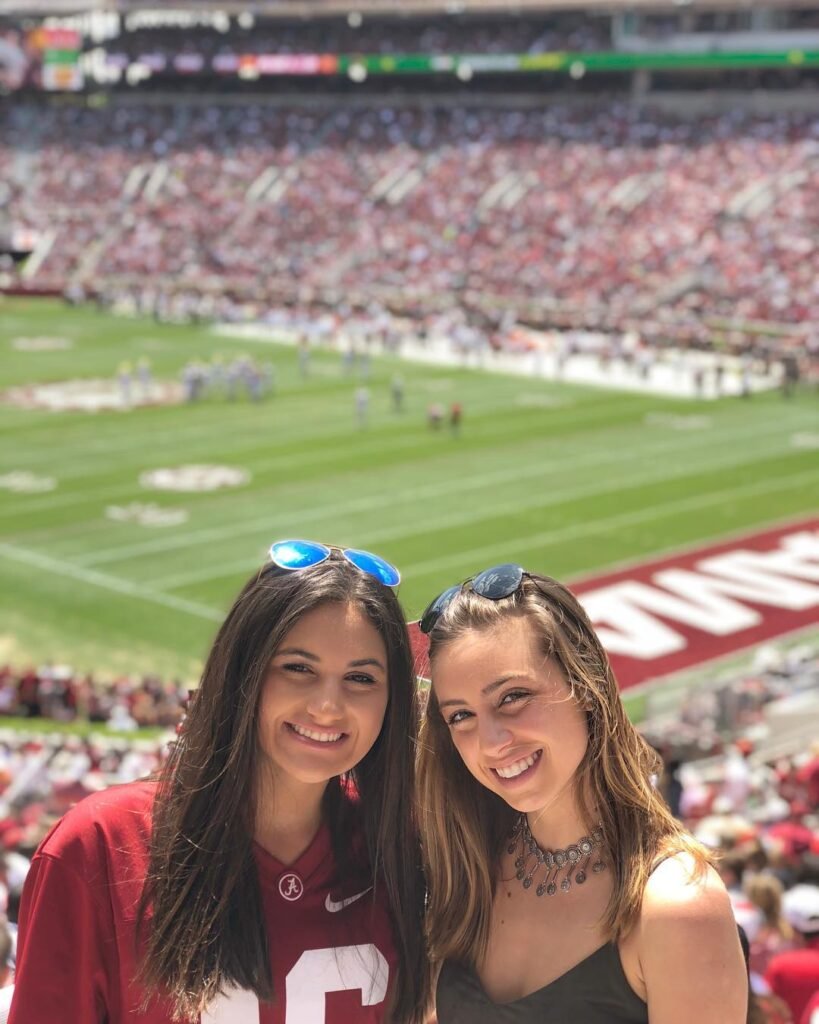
(494, 584)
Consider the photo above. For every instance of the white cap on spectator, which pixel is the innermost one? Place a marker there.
(800, 905)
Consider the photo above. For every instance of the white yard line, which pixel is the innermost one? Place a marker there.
(735, 536)
(475, 558)
(114, 584)
(511, 505)
(456, 485)
(472, 557)
(138, 443)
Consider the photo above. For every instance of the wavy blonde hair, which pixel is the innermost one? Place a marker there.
(464, 825)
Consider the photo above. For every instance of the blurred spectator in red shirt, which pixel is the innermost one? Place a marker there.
(811, 1014)
(794, 975)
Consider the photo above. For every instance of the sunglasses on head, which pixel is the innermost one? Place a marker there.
(294, 555)
(496, 583)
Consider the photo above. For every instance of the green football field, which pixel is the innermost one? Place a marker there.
(564, 479)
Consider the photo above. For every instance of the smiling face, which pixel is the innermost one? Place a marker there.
(511, 715)
(325, 695)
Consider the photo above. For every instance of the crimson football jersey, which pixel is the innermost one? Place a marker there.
(332, 950)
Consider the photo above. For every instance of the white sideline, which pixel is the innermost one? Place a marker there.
(671, 378)
(113, 583)
(508, 548)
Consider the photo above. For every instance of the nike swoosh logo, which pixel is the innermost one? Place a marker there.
(334, 907)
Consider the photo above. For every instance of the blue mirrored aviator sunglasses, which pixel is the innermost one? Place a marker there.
(304, 554)
(496, 583)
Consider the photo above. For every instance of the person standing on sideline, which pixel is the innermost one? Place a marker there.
(304, 357)
(435, 415)
(397, 392)
(362, 406)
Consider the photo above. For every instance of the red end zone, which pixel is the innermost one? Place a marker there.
(673, 613)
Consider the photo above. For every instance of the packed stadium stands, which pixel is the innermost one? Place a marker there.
(42, 775)
(766, 707)
(57, 693)
(602, 218)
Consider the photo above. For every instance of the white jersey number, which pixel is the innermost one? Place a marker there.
(315, 973)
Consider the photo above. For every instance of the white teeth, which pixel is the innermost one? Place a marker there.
(322, 737)
(513, 770)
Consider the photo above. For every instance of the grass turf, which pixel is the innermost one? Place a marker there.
(564, 479)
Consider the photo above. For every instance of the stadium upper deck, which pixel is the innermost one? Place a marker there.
(231, 48)
(312, 8)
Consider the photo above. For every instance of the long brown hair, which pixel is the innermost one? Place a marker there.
(464, 825)
(201, 914)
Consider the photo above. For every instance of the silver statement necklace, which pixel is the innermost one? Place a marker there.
(572, 862)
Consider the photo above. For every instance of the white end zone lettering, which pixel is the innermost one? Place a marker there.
(675, 612)
(664, 616)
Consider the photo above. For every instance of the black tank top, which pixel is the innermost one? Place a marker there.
(595, 991)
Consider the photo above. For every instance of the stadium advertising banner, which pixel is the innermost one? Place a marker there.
(47, 58)
(112, 66)
(569, 62)
(60, 48)
(666, 615)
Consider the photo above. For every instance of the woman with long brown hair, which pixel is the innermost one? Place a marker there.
(561, 889)
(272, 873)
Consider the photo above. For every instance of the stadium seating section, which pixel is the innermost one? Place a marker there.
(587, 217)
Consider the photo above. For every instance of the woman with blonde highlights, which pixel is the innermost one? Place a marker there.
(561, 889)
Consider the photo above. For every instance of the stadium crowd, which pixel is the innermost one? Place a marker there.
(754, 796)
(610, 219)
(58, 694)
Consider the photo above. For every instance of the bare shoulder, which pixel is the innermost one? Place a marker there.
(682, 890)
(690, 958)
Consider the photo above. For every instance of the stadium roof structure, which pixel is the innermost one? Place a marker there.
(392, 8)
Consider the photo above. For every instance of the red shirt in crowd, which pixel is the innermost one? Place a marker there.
(794, 976)
(811, 1014)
